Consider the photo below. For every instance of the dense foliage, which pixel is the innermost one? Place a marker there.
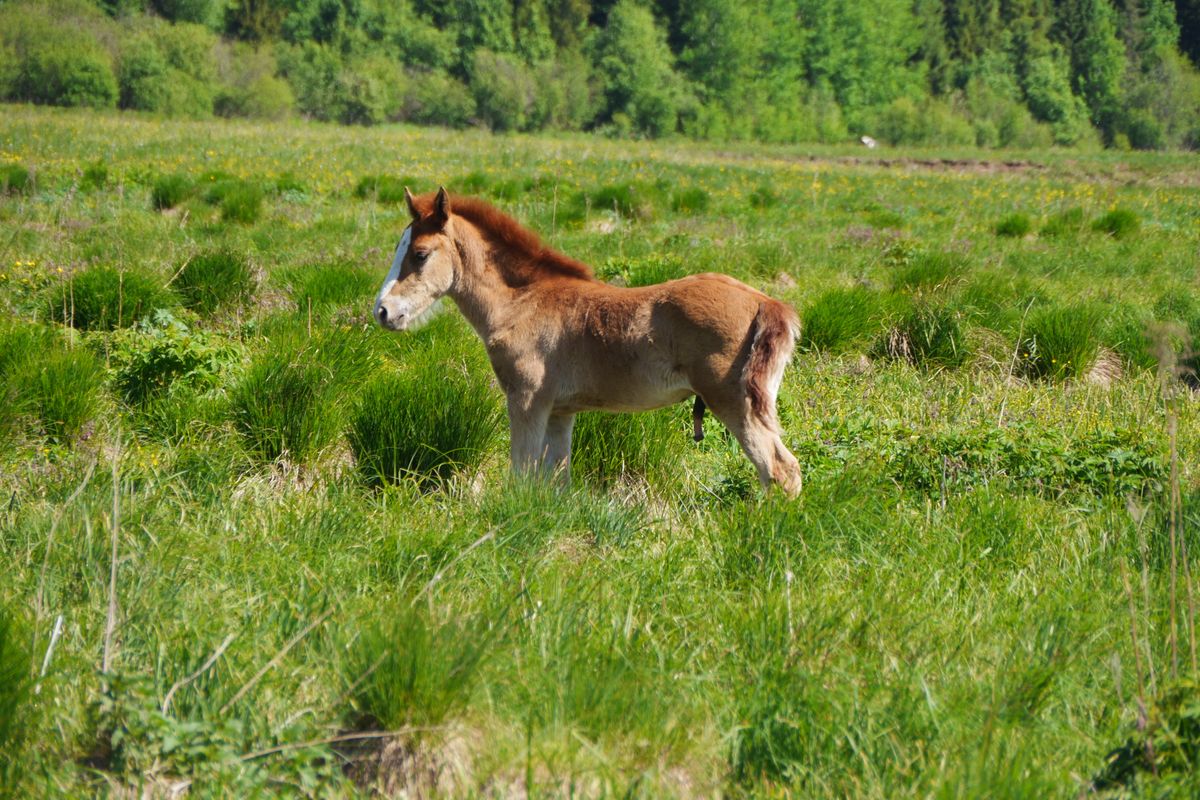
(983, 72)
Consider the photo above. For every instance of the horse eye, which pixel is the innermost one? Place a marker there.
(420, 256)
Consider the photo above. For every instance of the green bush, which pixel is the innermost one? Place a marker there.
(1014, 225)
(169, 69)
(160, 353)
(213, 279)
(169, 191)
(931, 122)
(504, 89)
(103, 298)
(260, 97)
(435, 98)
(427, 422)
(242, 203)
(71, 71)
(1060, 341)
(841, 318)
(1118, 223)
(15, 179)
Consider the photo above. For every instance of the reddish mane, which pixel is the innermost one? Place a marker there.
(528, 258)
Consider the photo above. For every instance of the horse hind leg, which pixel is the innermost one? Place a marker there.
(762, 442)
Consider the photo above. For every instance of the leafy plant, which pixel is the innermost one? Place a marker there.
(162, 352)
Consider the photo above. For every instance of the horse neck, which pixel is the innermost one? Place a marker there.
(479, 290)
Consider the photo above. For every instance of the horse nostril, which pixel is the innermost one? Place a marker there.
(382, 314)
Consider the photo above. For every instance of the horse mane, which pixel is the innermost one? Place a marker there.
(528, 259)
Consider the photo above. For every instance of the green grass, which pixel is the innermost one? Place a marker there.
(1118, 223)
(15, 179)
(215, 278)
(104, 298)
(241, 203)
(425, 423)
(941, 613)
(385, 188)
(1014, 226)
(169, 191)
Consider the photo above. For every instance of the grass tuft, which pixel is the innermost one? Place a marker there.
(1060, 342)
(840, 319)
(95, 176)
(44, 379)
(689, 201)
(383, 188)
(927, 336)
(608, 448)
(213, 279)
(334, 285)
(104, 298)
(928, 271)
(1068, 222)
(242, 203)
(169, 191)
(1118, 223)
(15, 179)
(426, 423)
(1014, 225)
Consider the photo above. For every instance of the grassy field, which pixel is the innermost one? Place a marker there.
(251, 544)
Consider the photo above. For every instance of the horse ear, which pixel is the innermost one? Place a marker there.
(441, 204)
(412, 205)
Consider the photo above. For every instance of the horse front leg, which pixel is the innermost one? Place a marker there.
(556, 450)
(527, 422)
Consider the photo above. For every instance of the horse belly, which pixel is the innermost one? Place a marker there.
(622, 386)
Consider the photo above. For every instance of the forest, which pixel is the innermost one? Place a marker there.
(986, 73)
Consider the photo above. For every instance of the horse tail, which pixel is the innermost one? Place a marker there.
(775, 328)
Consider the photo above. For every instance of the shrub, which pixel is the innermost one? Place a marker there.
(261, 97)
(169, 69)
(1060, 341)
(160, 353)
(383, 188)
(242, 203)
(905, 122)
(215, 278)
(169, 191)
(44, 379)
(71, 72)
(1067, 222)
(611, 447)
(427, 422)
(103, 298)
(504, 91)
(434, 98)
(1118, 223)
(15, 179)
(840, 319)
(927, 336)
(1014, 225)
(331, 285)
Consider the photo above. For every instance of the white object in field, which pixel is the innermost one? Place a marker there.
(869, 142)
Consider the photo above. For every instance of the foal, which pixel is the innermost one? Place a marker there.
(561, 341)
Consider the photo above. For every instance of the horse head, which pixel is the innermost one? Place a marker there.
(423, 268)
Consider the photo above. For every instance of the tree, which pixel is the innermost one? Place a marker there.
(641, 89)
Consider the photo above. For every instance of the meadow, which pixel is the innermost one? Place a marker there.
(251, 544)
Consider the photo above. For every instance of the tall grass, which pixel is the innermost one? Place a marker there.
(425, 422)
(16, 702)
(53, 384)
(103, 298)
(330, 285)
(608, 448)
(841, 319)
(1060, 341)
(215, 278)
(291, 401)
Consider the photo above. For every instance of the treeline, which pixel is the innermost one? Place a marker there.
(1023, 73)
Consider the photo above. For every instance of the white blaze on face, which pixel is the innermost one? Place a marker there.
(394, 273)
